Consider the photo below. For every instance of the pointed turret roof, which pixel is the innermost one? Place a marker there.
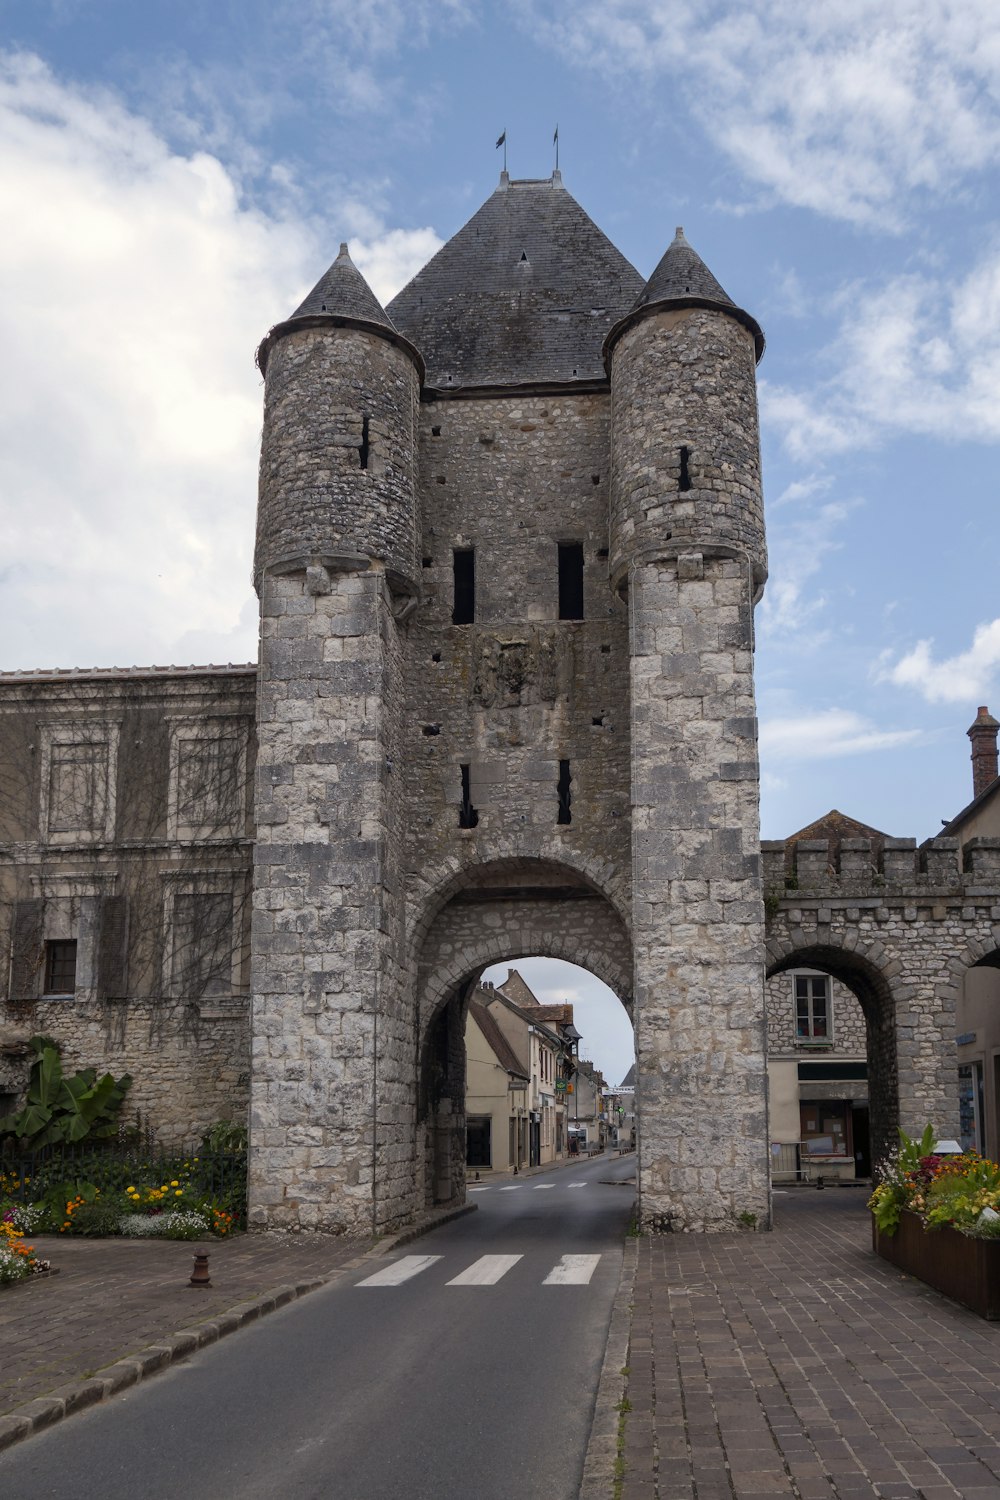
(343, 292)
(341, 297)
(682, 279)
(523, 294)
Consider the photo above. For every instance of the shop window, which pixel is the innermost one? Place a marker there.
(825, 1128)
(812, 1008)
(60, 967)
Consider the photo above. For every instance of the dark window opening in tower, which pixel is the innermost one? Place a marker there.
(565, 795)
(364, 449)
(464, 611)
(684, 483)
(570, 581)
(467, 815)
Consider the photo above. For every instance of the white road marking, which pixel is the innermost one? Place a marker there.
(486, 1271)
(514, 1188)
(572, 1270)
(400, 1270)
(478, 1189)
(541, 1186)
(578, 1184)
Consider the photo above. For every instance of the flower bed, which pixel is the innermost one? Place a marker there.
(18, 1261)
(938, 1218)
(127, 1193)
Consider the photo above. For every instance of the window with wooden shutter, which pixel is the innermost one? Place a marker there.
(112, 949)
(27, 954)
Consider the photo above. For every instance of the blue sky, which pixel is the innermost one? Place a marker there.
(173, 177)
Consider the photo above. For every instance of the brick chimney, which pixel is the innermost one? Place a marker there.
(983, 735)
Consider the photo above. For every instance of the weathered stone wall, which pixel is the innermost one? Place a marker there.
(685, 379)
(847, 1031)
(125, 797)
(338, 450)
(190, 1063)
(900, 931)
(698, 916)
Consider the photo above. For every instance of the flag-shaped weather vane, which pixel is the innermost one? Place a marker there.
(502, 141)
(555, 142)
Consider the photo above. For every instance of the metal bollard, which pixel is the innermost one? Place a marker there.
(199, 1273)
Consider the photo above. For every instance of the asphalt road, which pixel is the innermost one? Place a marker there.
(472, 1377)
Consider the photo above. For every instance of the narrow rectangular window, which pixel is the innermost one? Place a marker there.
(812, 1016)
(565, 796)
(570, 581)
(364, 449)
(467, 815)
(684, 482)
(60, 967)
(464, 612)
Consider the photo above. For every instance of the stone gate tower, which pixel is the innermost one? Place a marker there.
(509, 542)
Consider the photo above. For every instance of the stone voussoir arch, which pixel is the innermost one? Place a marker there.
(487, 868)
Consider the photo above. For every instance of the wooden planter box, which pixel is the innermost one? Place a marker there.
(963, 1268)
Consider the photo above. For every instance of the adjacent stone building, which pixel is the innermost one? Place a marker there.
(510, 539)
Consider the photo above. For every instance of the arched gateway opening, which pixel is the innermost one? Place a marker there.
(845, 1110)
(493, 914)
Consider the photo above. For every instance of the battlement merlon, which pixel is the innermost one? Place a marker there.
(863, 867)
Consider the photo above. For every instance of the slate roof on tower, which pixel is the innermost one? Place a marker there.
(682, 279)
(341, 298)
(343, 292)
(524, 294)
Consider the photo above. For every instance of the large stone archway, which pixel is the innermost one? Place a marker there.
(870, 978)
(504, 909)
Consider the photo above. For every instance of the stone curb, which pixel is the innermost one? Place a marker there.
(602, 1448)
(76, 1395)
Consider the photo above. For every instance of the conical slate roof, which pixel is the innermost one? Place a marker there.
(682, 273)
(342, 295)
(683, 280)
(523, 294)
(342, 292)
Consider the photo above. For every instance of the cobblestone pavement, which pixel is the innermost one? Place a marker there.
(799, 1363)
(113, 1298)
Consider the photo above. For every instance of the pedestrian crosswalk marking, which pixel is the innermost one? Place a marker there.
(541, 1186)
(478, 1189)
(577, 1184)
(572, 1270)
(513, 1188)
(486, 1271)
(400, 1270)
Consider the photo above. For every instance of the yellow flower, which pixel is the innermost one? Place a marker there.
(175, 1183)
(178, 1194)
(130, 1189)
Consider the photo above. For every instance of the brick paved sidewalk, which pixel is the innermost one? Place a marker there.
(113, 1298)
(799, 1363)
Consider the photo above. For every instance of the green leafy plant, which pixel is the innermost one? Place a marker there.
(961, 1192)
(65, 1109)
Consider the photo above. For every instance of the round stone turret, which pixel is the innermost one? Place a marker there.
(685, 474)
(338, 452)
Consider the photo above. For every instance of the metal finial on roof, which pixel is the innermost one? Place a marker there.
(679, 235)
(343, 253)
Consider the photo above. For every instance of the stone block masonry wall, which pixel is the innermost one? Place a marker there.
(901, 931)
(685, 380)
(336, 464)
(189, 1068)
(518, 690)
(698, 912)
(321, 973)
(847, 1029)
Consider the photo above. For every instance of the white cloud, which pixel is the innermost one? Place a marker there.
(138, 284)
(799, 547)
(851, 110)
(831, 733)
(914, 354)
(964, 678)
